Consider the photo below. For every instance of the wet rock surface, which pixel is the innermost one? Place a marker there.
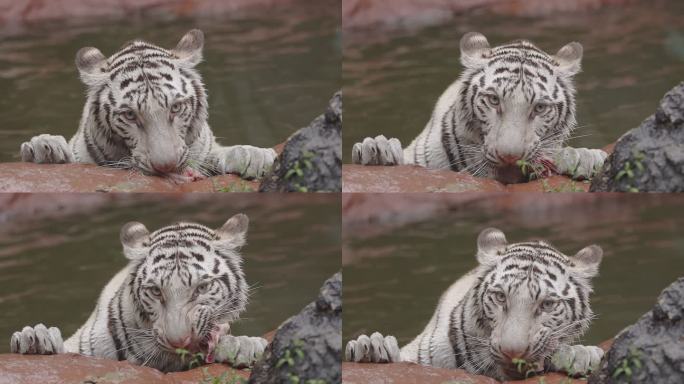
(30, 177)
(308, 346)
(361, 14)
(311, 160)
(73, 368)
(407, 373)
(649, 158)
(652, 349)
(39, 10)
(411, 178)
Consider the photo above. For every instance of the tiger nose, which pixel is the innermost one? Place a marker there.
(164, 167)
(180, 343)
(508, 158)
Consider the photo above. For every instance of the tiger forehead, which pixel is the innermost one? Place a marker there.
(188, 233)
(521, 48)
(138, 57)
(535, 251)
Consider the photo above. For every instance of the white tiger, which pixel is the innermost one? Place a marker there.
(147, 109)
(524, 302)
(506, 117)
(182, 288)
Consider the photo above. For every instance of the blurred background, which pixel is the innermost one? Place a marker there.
(400, 55)
(270, 66)
(402, 251)
(58, 251)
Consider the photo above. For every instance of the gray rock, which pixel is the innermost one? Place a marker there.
(653, 348)
(649, 158)
(312, 158)
(307, 346)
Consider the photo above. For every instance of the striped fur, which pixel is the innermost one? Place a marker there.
(182, 288)
(512, 105)
(146, 109)
(524, 300)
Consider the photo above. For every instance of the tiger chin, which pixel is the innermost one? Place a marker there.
(182, 288)
(146, 109)
(507, 117)
(515, 314)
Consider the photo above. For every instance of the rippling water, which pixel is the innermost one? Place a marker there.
(267, 73)
(52, 271)
(632, 56)
(394, 278)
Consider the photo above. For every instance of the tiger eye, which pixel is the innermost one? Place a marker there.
(493, 100)
(129, 115)
(540, 108)
(176, 107)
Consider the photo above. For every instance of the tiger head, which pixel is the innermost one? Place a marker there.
(187, 283)
(518, 102)
(146, 103)
(531, 299)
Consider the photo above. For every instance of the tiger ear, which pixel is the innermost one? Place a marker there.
(587, 260)
(134, 237)
(490, 243)
(569, 59)
(233, 234)
(475, 50)
(92, 66)
(189, 48)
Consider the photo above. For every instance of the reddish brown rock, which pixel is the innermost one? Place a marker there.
(73, 368)
(369, 13)
(410, 178)
(406, 373)
(29, 177)
(39, 10)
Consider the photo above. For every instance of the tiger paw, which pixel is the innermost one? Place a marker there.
(38, 340)
(373, 349)
(46, 149)
(247, 161)
(378, 151)
(576, 360)
(239, 351)
(579, 163)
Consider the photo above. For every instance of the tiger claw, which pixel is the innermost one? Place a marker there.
(577, 360)
(46, 149)
(579, 163)
(378, 151)
(38, 340)
(374, 349)
(239, 351)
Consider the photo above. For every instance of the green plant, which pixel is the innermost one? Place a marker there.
(195, 359)
(296, 171)
(289, 359)
(628, 364)
(630, 169)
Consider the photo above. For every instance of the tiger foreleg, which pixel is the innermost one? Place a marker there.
(239, 351)
(374, 349)
(46, 149)
(579, 163)
(576, 360)
(378, 151)
(245, 160)
(38, 340)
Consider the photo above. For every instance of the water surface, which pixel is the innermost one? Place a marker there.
(267, 73)
(632, 56)
(394, 277)
(52, 270)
